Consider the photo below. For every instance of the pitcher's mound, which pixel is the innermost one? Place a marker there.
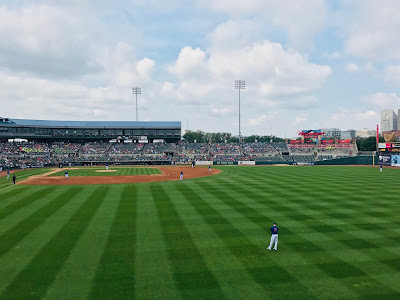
(106, 171)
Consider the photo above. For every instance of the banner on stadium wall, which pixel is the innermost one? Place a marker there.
(246, 163)
(203, 163)
(384, 145)
(396, 160)
(385, 159)
(225, 163)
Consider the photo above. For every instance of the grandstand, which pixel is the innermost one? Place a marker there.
(25, 143)
(24, 154)
(50, 131)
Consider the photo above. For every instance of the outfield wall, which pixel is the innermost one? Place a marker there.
(353, 160)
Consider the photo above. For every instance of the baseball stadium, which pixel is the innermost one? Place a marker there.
(214, 149)
(124, 225)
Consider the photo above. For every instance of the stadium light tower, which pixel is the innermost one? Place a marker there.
(136, 91)
(240, 85)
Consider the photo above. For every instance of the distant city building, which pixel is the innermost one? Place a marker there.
(334, 133)
(398, 119)
(348, 134)
(389, 120)
(365, 133)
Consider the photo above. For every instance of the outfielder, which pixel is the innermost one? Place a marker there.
(209, 169)
(380, 169)
(181, 177)
(274, 237)
(106, 167)
(8, 174)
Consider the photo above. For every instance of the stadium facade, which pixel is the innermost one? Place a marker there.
(46, 130)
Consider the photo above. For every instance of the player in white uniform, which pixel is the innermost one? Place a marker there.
(181, 177)
(106, 167)
(380, 168)
(209, 169)
(8, 174)
(66, 175)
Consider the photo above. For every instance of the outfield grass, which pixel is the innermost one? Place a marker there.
(206, 237)
(119, 171)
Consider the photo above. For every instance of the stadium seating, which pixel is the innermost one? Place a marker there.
(41, 154)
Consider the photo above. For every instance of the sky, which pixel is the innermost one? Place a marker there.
(307, 64)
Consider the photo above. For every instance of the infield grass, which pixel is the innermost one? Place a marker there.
(339, 237)
(113, 171)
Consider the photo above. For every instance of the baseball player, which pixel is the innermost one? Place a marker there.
(274, 237)
(14, 179)
(106, 167)
(209, 169)
(380, 169)
(8, 174)
(192, 164)
(181, 177)
(66, 175)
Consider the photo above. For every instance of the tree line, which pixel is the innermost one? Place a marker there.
(226, 137)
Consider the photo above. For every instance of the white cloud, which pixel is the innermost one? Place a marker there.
(301, 19)
(332, 55)
(299, 120)
(221, 111)
(373, 31)
(384, 100)
(351, 118)
(274, 77)
(47, 41)
(351, 67)
(392, 75)
(260, 120)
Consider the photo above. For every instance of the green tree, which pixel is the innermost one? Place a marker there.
(368, 144)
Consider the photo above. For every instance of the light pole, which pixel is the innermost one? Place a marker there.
(240, 85)
(136, 91)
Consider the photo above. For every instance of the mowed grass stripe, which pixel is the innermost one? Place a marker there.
(254, 257)
(192, 276)
(298, 257)
(115, 274)
(9, 238)
(28, 199)
(346, 267)
(12, 220)
(115, 172)
(154, 275)
(17, 258)
(80, 268)
(233, 280)
(11, 193)
(34, 280)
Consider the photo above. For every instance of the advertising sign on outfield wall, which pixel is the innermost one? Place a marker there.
(203, 163)
(396, 160)
(384, 145)
(385, 159)
(246, 163)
